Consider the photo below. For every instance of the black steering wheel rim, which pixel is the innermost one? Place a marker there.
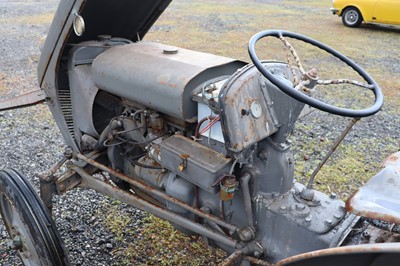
(305, 98)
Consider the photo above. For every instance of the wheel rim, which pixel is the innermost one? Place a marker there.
(351, 17)
(17, 228)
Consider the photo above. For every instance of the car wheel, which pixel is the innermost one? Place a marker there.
(352, 17)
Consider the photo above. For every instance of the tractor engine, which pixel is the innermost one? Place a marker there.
(208, 130)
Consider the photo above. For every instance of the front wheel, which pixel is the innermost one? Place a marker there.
(351, 17)
(31, 229)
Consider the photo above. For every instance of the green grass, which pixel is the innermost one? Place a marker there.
(156, 242)
(351, 165)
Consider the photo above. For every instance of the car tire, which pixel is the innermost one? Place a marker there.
(352, 17)
(32, 230)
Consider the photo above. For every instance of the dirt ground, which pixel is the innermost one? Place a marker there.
(31, 142)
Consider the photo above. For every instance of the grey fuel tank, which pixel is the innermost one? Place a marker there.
(159, 76)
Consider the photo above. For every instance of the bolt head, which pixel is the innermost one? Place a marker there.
(246, 234)
(263, 154)
(15, 243)
(337, 216)
(300, 206)
(366, 234)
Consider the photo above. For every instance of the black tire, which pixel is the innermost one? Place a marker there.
(352, 17)
(29, 225)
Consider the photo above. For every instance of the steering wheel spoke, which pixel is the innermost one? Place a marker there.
(301, 86)
(343, 81)
(310, 79)
(294, 53)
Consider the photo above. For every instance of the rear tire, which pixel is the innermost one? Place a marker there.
(31, 229)
(352, 17)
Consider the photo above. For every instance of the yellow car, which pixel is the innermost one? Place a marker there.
(353, 12)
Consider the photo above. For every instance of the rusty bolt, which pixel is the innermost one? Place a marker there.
(68, 153)
(61, 187)
(45, 176)
(312, 74)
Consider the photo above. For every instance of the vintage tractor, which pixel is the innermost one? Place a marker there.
(196, 139)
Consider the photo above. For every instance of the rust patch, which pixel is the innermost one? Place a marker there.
(24, 100)
(348, 205)
(393, 159)
(379, 216)
(331, 253)
(379, 197)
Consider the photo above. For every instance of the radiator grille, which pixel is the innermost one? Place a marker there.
(64, 98)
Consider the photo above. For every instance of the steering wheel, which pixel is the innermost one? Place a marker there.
(312, 77)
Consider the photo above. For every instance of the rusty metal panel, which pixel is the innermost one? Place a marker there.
(159, 76)
(238, 96)
(24, 100)
(393, 159)
(379, 198)
(370, 254)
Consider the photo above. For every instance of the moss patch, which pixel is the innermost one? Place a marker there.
(156, 242)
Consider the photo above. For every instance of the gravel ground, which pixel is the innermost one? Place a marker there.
(31, 142)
